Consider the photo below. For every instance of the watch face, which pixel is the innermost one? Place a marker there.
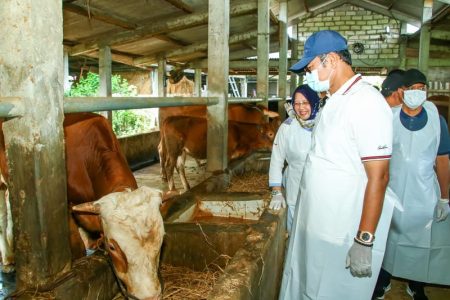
(365, 236)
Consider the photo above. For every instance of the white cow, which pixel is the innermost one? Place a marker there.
(133, 231)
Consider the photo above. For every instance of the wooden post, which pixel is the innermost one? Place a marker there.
(198, 83)
(161, 77)
(424, 45)
(105, 74)
(66, 72)
(262, 76)
(282, 69)
(30, 69)
(294, 58)
(218, 61)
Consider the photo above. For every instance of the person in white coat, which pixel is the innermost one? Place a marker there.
(292, 144)
(418, 246)
(342, 219)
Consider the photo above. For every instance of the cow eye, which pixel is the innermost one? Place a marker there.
(111, 247)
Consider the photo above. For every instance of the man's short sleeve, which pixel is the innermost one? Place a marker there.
(372, 127)
(444, 144)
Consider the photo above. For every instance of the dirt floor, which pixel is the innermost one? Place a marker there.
(398, 292)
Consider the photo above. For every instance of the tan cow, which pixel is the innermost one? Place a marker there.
(133, 234)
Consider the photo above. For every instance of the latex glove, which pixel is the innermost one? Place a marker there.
(442, 210)
(290, 110)
(359, 260)
(277, 201)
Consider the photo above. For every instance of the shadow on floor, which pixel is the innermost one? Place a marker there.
(7, 284)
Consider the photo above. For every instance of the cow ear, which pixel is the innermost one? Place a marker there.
(88, 207)
(270, 114)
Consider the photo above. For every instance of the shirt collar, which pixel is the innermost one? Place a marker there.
(346, 85)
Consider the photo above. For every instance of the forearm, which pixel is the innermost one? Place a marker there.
(442, 174)
(378, 178)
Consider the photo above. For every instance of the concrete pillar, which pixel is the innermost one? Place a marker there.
(31, 70)
(198, 83)
(294, 58)
(105, 74)
(425, 35)
(218, 62)
(403, 43)
(262, 76)
(244, 86)
(282, 68)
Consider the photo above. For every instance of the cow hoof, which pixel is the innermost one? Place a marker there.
(7, 269)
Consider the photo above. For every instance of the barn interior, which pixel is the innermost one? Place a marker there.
(209, 42)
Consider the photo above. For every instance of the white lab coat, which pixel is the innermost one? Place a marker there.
(292, 143)
(354, 126)
(418, 248)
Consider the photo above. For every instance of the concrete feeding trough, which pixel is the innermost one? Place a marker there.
(225, 207)
(234, 231)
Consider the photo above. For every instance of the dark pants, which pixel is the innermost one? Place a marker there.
(385, 278)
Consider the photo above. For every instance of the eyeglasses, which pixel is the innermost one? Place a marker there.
(299, 104)
(422, 88)
(322, 58)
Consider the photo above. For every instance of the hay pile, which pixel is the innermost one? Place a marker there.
(181, 283)
(251, 182)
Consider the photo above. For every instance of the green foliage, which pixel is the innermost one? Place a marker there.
(125, 122)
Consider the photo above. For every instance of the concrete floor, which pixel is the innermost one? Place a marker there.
(398, 291)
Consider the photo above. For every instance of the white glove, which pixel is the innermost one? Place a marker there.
(277, 201)
(359, 260)
(442, 210)
(290, 110)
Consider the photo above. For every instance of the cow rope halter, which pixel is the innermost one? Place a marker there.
(122, 287)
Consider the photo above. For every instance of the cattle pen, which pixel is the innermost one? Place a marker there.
(216, 226)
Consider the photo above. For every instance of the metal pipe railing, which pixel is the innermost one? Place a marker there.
(91, 104)
(246, 100)
(11, 107)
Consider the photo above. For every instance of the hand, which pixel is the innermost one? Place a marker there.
(289, 109)
(442, 210)
(359, 260)
(277, 201)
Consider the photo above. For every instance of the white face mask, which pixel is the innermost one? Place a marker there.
(414, 98)
(312, 78)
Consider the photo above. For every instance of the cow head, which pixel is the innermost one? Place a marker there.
(133, 230)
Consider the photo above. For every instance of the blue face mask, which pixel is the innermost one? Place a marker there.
(414, 98)
(312, 78)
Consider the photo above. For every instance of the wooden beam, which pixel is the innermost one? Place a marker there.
(425, 36)
(295, 19)
(171, 40)
(100, 15)
(218, 51)
(197, 47)
(440, 35)
(235, 64)
(382, 10)
(181, 5)
(105, 75)
(163, 26)
(444, 1)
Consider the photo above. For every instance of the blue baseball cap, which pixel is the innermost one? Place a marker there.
(321, 42)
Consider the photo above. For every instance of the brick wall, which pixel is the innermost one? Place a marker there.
(356, 25)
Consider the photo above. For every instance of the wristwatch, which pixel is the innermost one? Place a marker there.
(364, 238)
(276, 192)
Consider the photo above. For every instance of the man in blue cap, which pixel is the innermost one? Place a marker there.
(333, 253)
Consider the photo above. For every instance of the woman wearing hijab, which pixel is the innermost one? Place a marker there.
(292, 144)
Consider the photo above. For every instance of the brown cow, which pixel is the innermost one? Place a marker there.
(97, 168)
(187, 135)
(243, 113)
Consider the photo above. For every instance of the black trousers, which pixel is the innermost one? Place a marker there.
(385, 278)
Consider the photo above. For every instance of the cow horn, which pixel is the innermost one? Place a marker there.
(88, 207)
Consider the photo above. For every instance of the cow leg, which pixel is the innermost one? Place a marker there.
(6, 237)
(180, 167)
(170, 168)
(162, 159)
